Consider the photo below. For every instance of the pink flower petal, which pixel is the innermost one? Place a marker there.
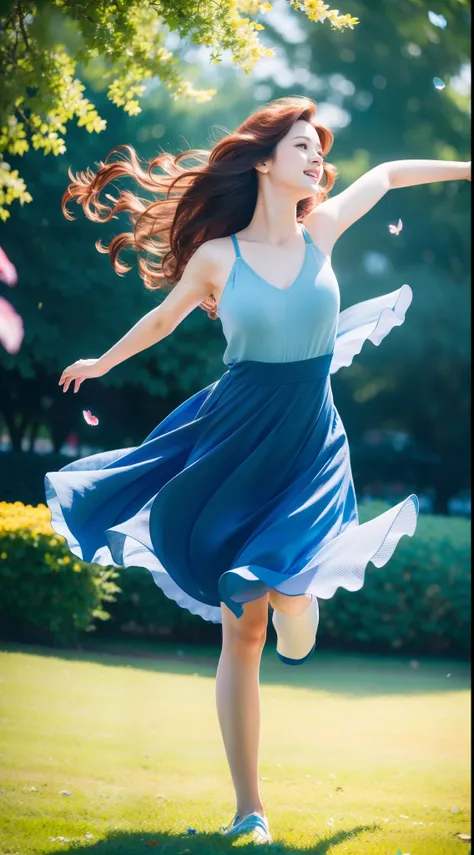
(8, 272)
(395, 230)
(89, 418)
(11, 327)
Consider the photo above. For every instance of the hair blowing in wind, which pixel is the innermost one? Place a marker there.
(213, 198)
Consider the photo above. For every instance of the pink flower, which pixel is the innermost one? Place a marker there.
(8, 272)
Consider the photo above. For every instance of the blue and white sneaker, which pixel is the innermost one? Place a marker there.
(253, 824)
(296, 634)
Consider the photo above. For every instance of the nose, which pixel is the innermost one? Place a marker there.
(317, 160)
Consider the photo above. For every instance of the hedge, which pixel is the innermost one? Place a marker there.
(418, 603)
(46, 594)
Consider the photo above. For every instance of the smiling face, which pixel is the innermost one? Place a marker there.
(297, 163)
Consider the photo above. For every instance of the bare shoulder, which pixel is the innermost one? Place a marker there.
(203, 275)
(216, 257)
(321, 227)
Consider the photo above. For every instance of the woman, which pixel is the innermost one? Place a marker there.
(243, 496)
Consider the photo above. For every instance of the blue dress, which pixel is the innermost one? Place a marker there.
(247, 485)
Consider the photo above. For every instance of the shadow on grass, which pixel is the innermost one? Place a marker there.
(351, 675)
(209, 844)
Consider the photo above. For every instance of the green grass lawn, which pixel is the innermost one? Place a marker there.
(114, 750)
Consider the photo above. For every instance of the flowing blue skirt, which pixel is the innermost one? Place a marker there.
(245, 487)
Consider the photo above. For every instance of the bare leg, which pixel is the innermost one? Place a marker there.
(238, 698)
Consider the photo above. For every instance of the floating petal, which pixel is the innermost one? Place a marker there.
(8, 272)
(89, 418)
(11, 327)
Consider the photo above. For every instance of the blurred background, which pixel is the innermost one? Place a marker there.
(395, 86)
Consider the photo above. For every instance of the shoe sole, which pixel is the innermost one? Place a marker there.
(287, 661)
(258, 835)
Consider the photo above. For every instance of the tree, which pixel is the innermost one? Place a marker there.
(43, 42)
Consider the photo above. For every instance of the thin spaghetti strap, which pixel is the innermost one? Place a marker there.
(305, 234)
(236, 246)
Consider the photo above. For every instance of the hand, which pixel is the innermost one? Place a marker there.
(81, 370)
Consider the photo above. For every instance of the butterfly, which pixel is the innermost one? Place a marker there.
(89, 418)
(437, 20)
(395, 230)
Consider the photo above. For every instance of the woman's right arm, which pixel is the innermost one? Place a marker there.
(193, 287)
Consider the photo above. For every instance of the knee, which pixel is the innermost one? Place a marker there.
(290, 605)
(246, 635)
(248, 641)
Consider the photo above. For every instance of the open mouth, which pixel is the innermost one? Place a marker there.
(314, 174)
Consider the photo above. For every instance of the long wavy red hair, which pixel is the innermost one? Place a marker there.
(214, 198)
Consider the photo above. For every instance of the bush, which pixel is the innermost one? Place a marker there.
(419, 602)
(143, 610)
(47, 595)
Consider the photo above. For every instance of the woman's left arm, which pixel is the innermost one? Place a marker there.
(332, 217)
(406, 173)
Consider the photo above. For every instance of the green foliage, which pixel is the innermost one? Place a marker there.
(43, 43)
(11, 187)
(46, 595)
(142, 610)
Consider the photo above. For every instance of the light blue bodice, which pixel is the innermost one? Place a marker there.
(268, 324)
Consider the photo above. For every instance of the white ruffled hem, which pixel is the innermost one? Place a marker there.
(341, 563)
(371, 320)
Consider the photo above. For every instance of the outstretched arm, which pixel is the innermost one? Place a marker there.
(332, 217)
(191, 290)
